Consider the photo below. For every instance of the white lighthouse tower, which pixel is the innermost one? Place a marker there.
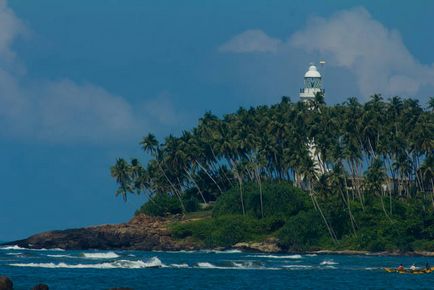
(312, 84)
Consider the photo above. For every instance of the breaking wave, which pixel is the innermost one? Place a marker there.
(120, 264)
(298, 267)
(60, 256)
(226, 251)
(244, 265)
(108, 255)
(14, 254)
(179, 265)
(16, 247)
(207, 265)
(328, 262)
(277, 256)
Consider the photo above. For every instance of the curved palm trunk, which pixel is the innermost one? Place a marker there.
(352, 219)
(224, 173)
(209, 175)
(195, 184)
(258, 178)
(329, 228)
(178, 194)
(241, 195)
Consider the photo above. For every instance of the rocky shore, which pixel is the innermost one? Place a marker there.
(152, 234)
(141, 233)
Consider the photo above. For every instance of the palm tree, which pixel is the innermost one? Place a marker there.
(121, 172)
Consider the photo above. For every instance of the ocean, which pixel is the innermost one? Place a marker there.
(61, 269)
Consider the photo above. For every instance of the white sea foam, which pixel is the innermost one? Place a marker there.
(179, 265)
(14, 254)
(234, 266)
(227, 251)
(328, 262)
(14, 247)
(311, 255)
(207, 265)
(61, 256)
(277, 256)
(373, 268)
(124, 264)
(108, 255)
(298, 267)
(53, 249)
(247, 265)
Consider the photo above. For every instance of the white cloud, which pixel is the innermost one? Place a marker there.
(350, 40)
(251, 41)
(354, 40)
(64, 111)
(10, 28)
(162, 110)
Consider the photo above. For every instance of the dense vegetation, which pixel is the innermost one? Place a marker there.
(368, 184)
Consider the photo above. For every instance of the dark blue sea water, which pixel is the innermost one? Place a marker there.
(205, 270)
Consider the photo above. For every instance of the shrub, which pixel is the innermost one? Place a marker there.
(164, 204)
(223, 231)
(279, 198)
(302, 231)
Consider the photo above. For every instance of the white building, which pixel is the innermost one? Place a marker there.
(312, 84)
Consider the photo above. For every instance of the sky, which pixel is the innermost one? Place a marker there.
(82, 81)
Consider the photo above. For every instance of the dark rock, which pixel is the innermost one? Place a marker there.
(6, 283)
(40, 287)
(141, 233)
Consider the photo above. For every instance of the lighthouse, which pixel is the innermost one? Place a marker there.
(312, 84)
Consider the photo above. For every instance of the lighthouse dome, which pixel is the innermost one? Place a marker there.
(312, 72)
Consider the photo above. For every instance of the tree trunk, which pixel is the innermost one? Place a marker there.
(209, 175)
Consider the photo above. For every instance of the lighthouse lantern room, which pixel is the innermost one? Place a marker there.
(312, 84)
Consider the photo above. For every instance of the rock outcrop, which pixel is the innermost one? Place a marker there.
(269, 245)
(141, 233)
(6, 283)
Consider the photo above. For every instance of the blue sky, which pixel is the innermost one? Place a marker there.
(82, 81)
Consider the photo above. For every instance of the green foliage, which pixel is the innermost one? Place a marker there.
(408, 228)
(164, 204)
(279, 199)
(302, 231)
(247, 161)
(222, 231)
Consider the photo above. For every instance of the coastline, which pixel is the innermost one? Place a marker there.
(146, 233)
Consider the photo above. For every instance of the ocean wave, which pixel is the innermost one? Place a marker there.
(108, 255)
(328, 262)
(226, 251)
(14, 254)
(249, 265)
(277, 256)
(16, 247)
(299, 267)
(179, 265)
(207, 265)
(120, 264)
(311, 255)
(234, 251)
(61, 256)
